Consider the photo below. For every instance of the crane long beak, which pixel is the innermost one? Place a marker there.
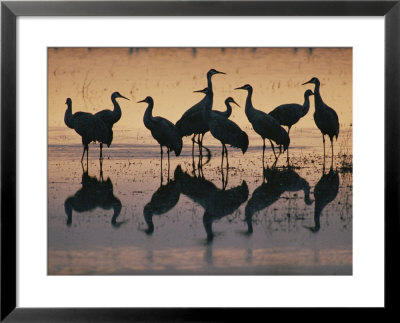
(233, 101)
(239, 88)
(124, 97)
(201, 91)
(307, 82)
(141, 101)
(218, 72)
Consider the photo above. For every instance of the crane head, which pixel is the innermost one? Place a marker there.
(205, 91)
(69, 101)
(231, 100)
(245, 87)
(308, 93)
(118, 95)
(314, 80)
(148, 99)
(212, 72)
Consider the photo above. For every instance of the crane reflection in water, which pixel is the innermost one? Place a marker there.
(217, 203)
(277, 182)
(325, 192)
(94, 193)
(163, 200)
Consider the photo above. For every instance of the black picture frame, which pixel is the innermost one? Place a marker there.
(10, 10)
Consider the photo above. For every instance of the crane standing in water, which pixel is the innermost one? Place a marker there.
(162, 130)
(110, 117)
(264, 124)
(223, 129)
(325, 117)
(191, 122)
(89, 127)
(290, 114)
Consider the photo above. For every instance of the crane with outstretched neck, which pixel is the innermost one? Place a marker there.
(290, 113)
(264, 124)
(162, 130)
(191, 122)
(223, 129)
(110, 117)
(325, 117)
(89, 127)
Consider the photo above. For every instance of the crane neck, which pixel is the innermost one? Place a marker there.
(208, 105)
(68, 119)
(306, 105)
(317, 98)
(117, 109)
(227, 113)
(148, 115)
(249, 105)
(209, 83)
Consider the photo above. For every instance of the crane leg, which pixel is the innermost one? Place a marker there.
(222, 176)
(226, 153)
(201, 144)
(161, 163)
(287, 156)
(193, 144)
(273, 148)
(84, 150)
(263, 152)
(332, 152)
(323, 140)
(101, 151)
(101, 170)
(222, 158)
(87, 154)
(168, 163)
(287, 150)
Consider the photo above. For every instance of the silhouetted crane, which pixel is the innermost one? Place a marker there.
(162, 130)
(290, 114)
(325, 117)
(162, 201)
(110, 117)
(264, 124)
(191, 122)
(223, 129)
(325, 192)
(89, 127)
(227, 113)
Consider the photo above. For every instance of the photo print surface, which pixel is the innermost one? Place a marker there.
(200, 161)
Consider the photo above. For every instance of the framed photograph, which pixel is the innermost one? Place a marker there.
(189, 155)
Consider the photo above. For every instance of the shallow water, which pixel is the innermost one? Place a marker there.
(128, 223)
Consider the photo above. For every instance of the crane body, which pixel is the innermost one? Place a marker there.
(162, 130)
(223, 129)
(90, 127)
(290, 114)
(325, 117)
(110, 117)
(191, 122)
(264, 124)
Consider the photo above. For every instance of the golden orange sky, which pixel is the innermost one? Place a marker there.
(170, 75)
